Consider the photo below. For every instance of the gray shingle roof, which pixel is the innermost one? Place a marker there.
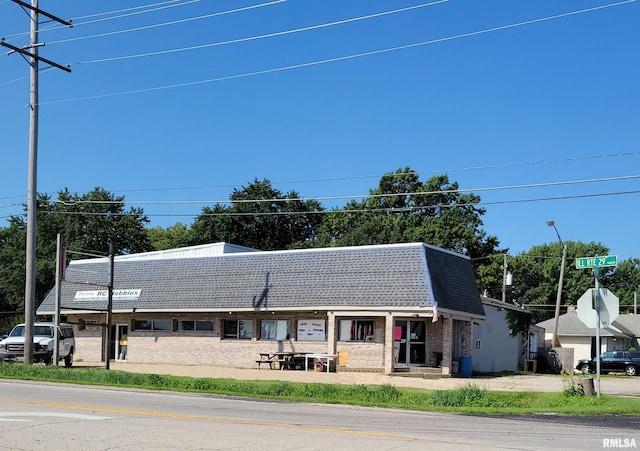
(400, 275)
(453, 280)
(628, 324)
(570, 325)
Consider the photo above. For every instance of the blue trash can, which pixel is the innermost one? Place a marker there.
(465, 366)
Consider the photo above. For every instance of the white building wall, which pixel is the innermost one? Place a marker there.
(494, 350)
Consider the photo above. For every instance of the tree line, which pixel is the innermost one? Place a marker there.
(402, 208)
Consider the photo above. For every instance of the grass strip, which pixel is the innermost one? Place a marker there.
(471, 398)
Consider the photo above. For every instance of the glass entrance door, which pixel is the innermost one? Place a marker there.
(119, 342)
(410, 342)
(122, 341)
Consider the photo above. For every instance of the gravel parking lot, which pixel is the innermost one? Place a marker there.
(619, 385)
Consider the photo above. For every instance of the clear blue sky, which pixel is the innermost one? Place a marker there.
(533, 102)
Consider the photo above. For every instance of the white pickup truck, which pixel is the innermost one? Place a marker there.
(12, 347)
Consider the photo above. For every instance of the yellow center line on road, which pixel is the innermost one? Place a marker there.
(216, 419)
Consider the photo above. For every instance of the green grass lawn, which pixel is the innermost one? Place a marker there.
(466, 399)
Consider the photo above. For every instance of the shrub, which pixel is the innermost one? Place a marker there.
(573, 388)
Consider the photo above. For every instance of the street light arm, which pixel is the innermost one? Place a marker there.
(558, 234)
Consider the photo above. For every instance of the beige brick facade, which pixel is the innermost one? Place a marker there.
(211, 348)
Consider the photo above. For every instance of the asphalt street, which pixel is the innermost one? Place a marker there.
(55, 416)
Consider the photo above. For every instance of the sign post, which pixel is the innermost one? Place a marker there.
(597, 263)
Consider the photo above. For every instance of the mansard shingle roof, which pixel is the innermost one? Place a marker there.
(385, 276)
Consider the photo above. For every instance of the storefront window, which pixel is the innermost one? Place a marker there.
(151, 324)
(237, 329)
(189, 325)
(356, 330)
(278, 330)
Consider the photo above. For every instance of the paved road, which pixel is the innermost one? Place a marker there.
(37, 416)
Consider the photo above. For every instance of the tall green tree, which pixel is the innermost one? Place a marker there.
(404, 209)
(624, 282)
(260, 217)
(171, 237)
(86, 222)
(12, 266)
(536, 275)
(93, 220)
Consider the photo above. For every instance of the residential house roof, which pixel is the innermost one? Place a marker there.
(569, 325)
(410, 275)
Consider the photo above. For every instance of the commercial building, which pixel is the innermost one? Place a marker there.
(382, 308)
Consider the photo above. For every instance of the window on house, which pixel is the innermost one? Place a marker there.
(277, 330)
(477, 343)
(189, 325)
(151, 324)
(356, 330)
(237, 329)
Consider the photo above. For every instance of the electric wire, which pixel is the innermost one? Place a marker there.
(533, 21)
(339, 58)
(337, 210)
(165, 24)
(263, 36)
(400, 174)
(389, 210)
(359, 196)
(151, 8)
(76, 24)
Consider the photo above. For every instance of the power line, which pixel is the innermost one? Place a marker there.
(350, 211)
(378, 176)
(263, 36)
(235, 41)
(183, 3)
(165, 24)
(340, 58)
(359, 196)
(360, 177)
(152, 8)
(342, 211)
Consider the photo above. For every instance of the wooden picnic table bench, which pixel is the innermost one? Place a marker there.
(265, 361)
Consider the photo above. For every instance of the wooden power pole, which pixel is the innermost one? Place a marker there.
(31, 53)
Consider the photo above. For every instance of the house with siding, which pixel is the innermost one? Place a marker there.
(496, 348)
(381, 308)
(623, 333)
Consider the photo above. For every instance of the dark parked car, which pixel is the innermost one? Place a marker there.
(613, 362)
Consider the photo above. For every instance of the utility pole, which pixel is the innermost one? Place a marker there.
(107, 344)
(31, 51)
(554, 337)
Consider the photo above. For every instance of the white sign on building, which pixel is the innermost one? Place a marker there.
(102, 295)
(312, 330)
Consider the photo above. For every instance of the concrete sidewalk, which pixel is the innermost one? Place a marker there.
(622, 385)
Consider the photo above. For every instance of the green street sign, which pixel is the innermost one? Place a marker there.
(596, 262)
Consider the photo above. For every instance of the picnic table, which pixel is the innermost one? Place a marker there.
(285, 360)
